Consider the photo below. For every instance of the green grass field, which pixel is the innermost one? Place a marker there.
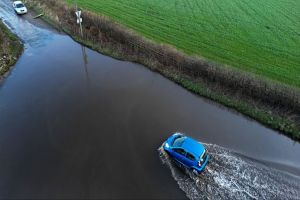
(262, 37)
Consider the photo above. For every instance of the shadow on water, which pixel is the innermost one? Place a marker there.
(85, 64)
(231, 176)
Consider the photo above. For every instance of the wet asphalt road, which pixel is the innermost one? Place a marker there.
(70, 129)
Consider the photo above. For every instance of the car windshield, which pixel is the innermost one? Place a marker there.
(178, 141)
(20, 5)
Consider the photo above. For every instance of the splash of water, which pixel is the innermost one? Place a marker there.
(230, 176)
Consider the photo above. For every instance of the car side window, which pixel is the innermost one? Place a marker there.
(180, 151)
(190, 156)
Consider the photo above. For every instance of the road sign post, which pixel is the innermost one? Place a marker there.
(79, 19)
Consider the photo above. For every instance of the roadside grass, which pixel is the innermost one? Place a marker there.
(10, 49)
(264, 116)
(261, 37)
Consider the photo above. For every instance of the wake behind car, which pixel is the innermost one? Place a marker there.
(19, 7)
(186, 152)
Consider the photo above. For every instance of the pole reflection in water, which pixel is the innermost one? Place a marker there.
(85, 62)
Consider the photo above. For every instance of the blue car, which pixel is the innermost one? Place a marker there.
(186, 152)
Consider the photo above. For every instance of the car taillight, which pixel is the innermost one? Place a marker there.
(202, 159)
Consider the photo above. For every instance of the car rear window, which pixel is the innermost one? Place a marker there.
(178, 141)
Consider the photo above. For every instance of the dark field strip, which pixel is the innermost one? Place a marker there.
(262, 37)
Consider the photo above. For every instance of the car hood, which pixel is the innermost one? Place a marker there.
(21, 9)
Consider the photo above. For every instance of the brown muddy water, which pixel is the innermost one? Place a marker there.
(78, 124)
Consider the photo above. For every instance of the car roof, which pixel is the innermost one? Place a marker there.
(17, 2)
(193, 146)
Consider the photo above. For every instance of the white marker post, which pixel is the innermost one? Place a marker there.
(79, 19)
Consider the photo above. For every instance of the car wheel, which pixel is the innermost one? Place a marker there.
(195, 172)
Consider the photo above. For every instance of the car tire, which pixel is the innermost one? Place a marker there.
(195, 172)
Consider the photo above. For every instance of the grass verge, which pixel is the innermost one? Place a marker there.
(10, 49)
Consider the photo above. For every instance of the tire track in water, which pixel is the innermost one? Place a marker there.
(231, 176)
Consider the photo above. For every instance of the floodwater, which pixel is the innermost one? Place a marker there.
(78, 124)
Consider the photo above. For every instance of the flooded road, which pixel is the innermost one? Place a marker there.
(78, 124)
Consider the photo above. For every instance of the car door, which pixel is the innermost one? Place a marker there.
(190, 159)
(179, 156)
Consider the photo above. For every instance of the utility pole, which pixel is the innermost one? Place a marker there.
(79, 19)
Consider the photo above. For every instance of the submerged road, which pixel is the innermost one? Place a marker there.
(78, 124)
